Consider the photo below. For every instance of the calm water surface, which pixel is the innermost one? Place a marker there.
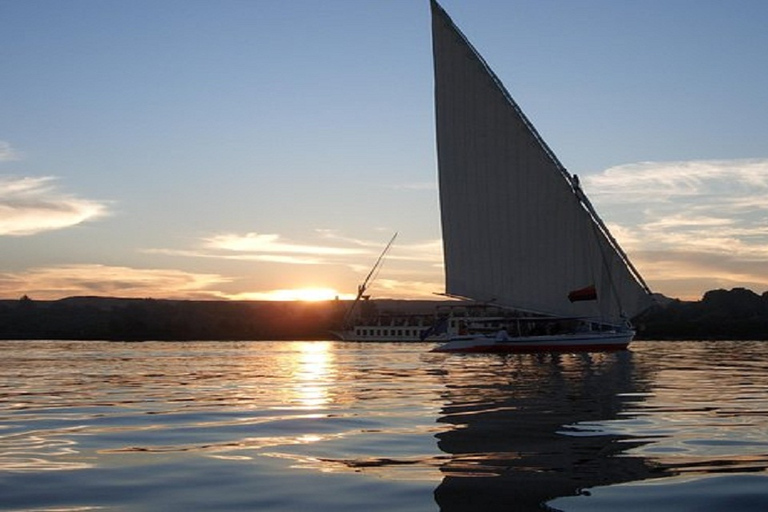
(343, 426)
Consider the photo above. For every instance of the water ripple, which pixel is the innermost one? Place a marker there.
(324, 425)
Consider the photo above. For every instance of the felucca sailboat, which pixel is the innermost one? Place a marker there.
(518, 230)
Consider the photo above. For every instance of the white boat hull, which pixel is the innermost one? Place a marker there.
(443, 325)
(574, 342)
(386, 335)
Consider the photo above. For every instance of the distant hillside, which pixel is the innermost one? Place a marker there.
(108, 318)
(720, 314)
(96, 318)
(737, 314)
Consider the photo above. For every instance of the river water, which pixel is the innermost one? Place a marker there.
(317, 426)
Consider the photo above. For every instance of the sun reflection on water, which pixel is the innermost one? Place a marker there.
(314, 375)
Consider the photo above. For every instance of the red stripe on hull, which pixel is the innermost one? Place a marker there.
(512, 349)
(557, 343)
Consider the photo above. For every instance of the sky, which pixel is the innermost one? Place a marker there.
(257, 149)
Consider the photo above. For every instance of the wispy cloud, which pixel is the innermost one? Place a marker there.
(324, 247)
(257, 243)
(54, 282)
(269, 248)
(409, 288)
(690, 226)
(33, 205)
(428, 251)
(667, 181)
(411, 269)
(7, 152)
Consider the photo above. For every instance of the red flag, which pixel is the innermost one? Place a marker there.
(588, 293)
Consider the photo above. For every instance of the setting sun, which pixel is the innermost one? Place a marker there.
(303, 294)
(310, 294)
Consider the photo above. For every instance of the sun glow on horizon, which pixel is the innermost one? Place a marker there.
(298, 294)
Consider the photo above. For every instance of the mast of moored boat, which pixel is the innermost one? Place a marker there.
(361, 289)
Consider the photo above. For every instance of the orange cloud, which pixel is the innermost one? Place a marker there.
(273, 244)
(55, 282)
(689, 226)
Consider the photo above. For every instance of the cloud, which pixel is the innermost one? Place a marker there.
(429, 251)
(239, 256)
(411, 289)
(325, 247)
(667, 181)
(410, 270)
(267, 248)
(702, 223)
(34, 205)
(7, 152)
(332, 248)
(273, 244)
(55, 282)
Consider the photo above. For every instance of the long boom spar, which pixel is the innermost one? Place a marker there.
(371, 275)
(369, 279)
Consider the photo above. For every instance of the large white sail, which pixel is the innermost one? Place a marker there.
(516, 228)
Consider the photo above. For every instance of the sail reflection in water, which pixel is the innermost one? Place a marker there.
(704, 423)
(509, 416)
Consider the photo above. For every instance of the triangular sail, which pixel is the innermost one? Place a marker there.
(516, 228)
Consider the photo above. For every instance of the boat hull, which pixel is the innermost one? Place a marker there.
(576, 342)
(385, 336)
(444, 324)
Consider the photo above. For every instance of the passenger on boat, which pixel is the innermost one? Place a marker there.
(502, 335)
